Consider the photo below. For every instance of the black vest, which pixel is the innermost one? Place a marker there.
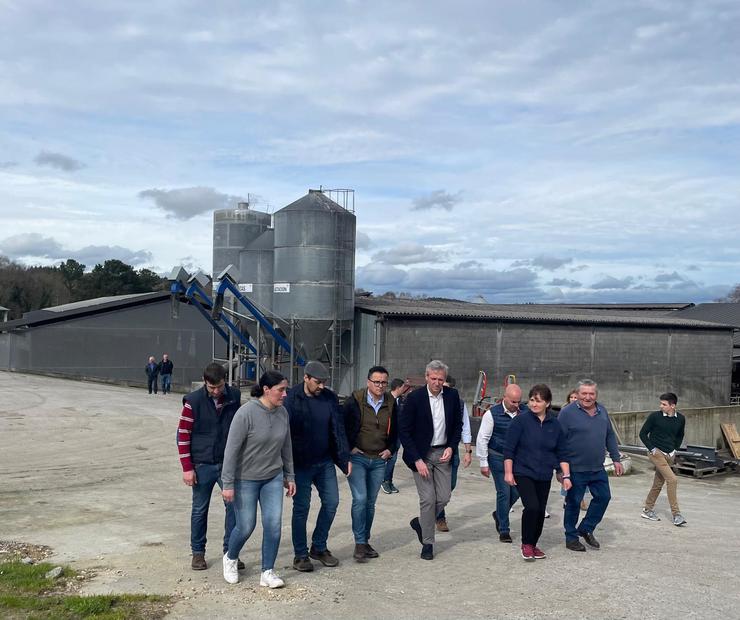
(501, 423)
(210, 431)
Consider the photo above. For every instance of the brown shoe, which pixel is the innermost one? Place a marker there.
(198, 562)
(442, 525)
(370, 552)
(359, 554)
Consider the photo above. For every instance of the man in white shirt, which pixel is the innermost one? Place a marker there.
(489, 448)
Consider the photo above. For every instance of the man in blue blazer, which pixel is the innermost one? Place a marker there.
(430, 427)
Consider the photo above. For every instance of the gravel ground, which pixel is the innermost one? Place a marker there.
(91, 472)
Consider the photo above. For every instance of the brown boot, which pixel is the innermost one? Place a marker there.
(198, 562)
(359, 554)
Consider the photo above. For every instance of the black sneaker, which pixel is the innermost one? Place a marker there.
(590, 539)
(325, 557)
(302, 564)
(575, 545)
(386, 487)
(505, 537)
(427, 552)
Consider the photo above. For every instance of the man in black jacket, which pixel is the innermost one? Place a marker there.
(431, 426)
(319, 443)
(201, 438)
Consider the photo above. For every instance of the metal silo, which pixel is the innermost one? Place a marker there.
(256, 269)
(233, 230)
(314, 273)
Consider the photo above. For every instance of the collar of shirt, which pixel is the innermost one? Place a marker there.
(668, 415)
(511, 414)
(375, 404)
(438, 396)
(599, 409)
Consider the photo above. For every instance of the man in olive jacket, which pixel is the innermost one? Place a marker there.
(370, 421)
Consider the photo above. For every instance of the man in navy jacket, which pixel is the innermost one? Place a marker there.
(430, 426)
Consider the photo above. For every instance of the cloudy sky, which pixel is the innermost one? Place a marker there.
(516, 151)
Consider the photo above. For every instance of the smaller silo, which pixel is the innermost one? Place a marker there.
(233, 231)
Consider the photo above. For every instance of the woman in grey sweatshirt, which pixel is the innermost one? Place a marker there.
(258, 463)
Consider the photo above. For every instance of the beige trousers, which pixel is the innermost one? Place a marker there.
(663, 474)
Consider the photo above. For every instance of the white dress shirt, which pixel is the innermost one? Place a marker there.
(436, 404)
(484, 435)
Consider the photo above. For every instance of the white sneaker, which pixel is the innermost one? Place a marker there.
(547, 515)
(270, 580)
(231, 571)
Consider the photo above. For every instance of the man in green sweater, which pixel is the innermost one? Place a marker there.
(662, 434)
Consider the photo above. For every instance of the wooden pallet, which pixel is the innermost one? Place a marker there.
(732, 437)
(698, 471)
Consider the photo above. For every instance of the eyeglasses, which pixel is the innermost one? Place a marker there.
(378, 383)
(318, 381)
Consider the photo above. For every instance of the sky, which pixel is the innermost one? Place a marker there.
(507, 151)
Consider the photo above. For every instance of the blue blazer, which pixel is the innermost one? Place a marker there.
(416, 428)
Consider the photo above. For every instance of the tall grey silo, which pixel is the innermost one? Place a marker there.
(255, 274)
(234, 230)
(315, 272)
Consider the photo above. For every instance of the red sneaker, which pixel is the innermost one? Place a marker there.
(538, 553)
(528, 552)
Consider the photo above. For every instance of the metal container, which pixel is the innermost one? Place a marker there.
(314, 267)
(255, 270)
(233, 231)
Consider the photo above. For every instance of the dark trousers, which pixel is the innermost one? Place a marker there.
(597, 482)
(533, 494)
(151, 383)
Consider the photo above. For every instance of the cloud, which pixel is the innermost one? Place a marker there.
(610, 282)
(36, 246)
(437, 199)
(669, 277)
(31, 244)
(363, 241)
(469, 264)
(4, 165)
(564, 282)
(409, 254)
(58, 161)
(547, 263)
(187, 202)
(97, 254)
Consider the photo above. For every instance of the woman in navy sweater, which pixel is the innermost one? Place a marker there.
(535, 445)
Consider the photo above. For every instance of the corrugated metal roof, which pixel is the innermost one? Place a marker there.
(54, 314)
(721, 312)
(539, 313)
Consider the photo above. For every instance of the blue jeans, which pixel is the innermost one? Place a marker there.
(269, 495)
(364, 482)
(455, 465)
(597, 482)
(207, 476)
(390, 464)
(506, 495)
(324, 477)
(166, 383)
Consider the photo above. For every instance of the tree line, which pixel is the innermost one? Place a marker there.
(24, 288)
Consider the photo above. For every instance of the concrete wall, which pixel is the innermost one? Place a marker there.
(702, 425)
(113, 346)
(632, 365)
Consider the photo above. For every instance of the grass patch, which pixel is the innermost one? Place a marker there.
(27, 594)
